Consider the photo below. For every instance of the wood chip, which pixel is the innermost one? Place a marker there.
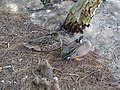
(0, 69)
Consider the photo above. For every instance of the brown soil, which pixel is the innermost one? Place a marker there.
(19, 64)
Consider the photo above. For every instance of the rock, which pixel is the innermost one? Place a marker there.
(34, 5)
(52, 19)
(45, 84)
(40, 83)
(46, 70)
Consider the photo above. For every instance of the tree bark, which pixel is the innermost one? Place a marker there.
(80, 15)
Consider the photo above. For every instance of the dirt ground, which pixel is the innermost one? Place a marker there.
(18, 65)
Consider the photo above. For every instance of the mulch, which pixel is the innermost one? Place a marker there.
(19, 64)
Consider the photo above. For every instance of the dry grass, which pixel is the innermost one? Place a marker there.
(19, 65)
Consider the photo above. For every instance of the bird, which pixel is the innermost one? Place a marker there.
(46, 43)
(76, 49)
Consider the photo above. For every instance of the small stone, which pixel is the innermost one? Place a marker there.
(2, 38)
(2, 81)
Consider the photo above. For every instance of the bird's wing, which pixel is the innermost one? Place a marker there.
(68, 50)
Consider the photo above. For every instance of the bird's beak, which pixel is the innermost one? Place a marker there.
(77, 58)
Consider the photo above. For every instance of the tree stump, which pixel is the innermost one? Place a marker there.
(80, 15)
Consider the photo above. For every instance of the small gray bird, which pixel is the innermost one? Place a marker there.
(76, 49)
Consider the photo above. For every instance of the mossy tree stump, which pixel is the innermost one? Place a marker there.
(80, 15)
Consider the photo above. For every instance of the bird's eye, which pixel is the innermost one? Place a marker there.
(80, 39)
(77, 40)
